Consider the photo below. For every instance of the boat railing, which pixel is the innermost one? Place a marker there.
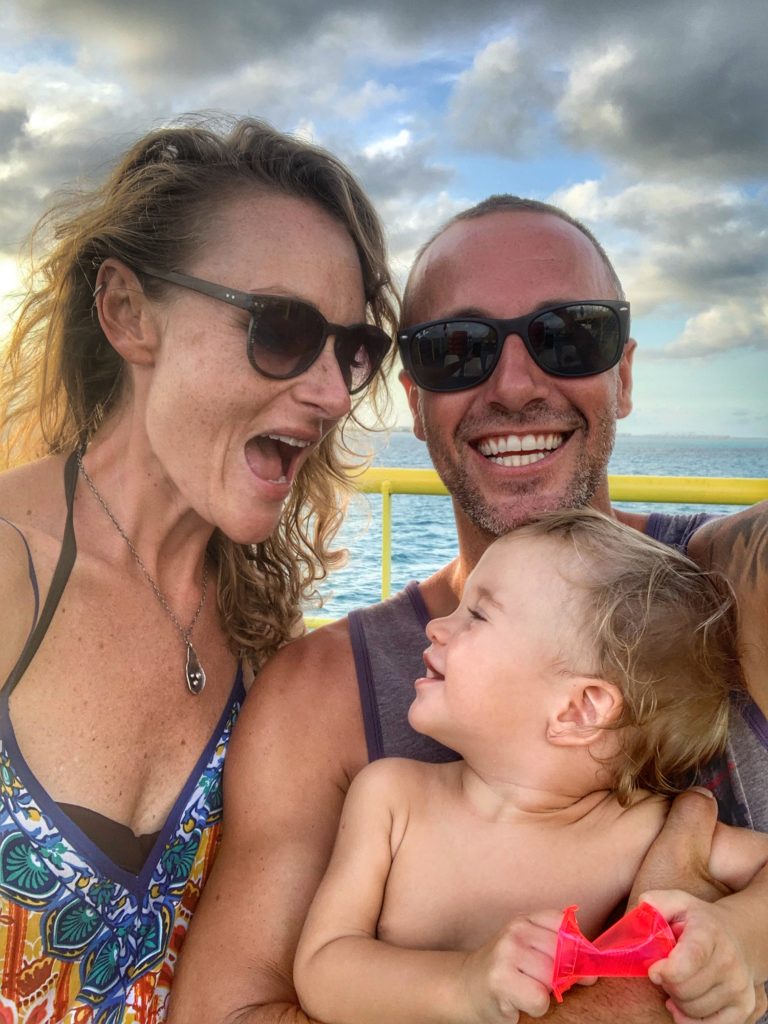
(678, 490)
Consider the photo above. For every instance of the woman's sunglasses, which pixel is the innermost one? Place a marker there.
(286, 336)
(576, 339)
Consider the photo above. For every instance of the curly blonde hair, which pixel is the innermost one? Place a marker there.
(661, 629)
(63, 378)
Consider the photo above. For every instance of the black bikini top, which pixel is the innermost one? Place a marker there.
(116, 840)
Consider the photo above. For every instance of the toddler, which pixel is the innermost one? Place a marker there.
(586, 673)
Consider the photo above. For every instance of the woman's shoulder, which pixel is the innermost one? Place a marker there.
(32, 495)
(21, 592)
(32, 513)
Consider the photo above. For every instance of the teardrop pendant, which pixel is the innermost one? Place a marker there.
(194, 672)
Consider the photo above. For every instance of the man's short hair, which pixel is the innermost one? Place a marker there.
(506, 203)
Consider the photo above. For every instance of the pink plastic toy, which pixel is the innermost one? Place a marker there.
(626, 950)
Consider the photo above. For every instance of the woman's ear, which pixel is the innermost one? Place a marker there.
(124, 313)
(583, 712)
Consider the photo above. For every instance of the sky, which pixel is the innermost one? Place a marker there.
(647, 120)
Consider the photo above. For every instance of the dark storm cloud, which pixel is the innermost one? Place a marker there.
(177, 39)
(43, 168)
(688, 93)
(660, 88)
(12, 123)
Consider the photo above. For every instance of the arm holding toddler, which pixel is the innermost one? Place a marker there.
(720, 962)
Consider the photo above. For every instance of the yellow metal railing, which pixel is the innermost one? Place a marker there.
(679, 490)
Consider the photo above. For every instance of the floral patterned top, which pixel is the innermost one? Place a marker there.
(83, 941)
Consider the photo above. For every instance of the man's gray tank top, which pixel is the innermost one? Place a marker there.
(388, 641)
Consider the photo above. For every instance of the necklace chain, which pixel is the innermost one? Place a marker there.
(194, 674)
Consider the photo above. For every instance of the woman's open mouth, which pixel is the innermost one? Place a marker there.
(274, 457)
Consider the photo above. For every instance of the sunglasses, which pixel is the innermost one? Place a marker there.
(576, 339)
(286, 335)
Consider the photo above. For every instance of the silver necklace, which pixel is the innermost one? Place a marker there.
(193, 671)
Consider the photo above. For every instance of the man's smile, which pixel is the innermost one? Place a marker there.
(514, 450)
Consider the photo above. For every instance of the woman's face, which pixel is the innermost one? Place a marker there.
(230, 441)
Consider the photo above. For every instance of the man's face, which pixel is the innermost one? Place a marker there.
(523, 442)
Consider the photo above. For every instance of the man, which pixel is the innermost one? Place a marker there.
(518, 441)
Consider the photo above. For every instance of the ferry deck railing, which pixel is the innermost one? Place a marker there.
(678, 490)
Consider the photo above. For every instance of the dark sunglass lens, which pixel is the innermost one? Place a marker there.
(360, 352)
(285, 337)
(577, 340)
(453, 355)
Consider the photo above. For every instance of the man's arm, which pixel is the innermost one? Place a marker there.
(293, 753)
(720, 962)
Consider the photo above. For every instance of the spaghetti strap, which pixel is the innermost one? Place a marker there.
(58, 583)
(30, 569)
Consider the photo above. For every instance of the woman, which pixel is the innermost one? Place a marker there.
(179, 377)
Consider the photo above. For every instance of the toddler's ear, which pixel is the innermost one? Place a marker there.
(583, 711)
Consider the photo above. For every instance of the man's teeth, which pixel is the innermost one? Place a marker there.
(503, 450)
(295, 442)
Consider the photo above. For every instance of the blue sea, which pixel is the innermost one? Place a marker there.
(423, 533)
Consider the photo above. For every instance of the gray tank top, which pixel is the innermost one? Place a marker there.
(388, 641)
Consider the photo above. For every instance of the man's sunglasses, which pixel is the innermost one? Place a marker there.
(286, 336)
(576, 339)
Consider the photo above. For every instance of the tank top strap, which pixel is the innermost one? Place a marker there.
(61, 574)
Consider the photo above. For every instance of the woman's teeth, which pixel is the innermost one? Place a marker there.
(295, 442)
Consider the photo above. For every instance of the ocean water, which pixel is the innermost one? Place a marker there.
(423, 533)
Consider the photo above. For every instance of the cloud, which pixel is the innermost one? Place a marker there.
(57, 127)
(722, 328)
(13, 121)
(395, 167)
(672, 88)
(658, 88)
(410, 224)
(498, 102)
(175, 40)
(677, 244)
(389, 148)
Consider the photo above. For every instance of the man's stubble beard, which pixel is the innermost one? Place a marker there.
(588, 475)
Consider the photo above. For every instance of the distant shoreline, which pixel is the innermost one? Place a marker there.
(629, 433)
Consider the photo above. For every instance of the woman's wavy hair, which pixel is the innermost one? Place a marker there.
(63, 378)
(661, 629)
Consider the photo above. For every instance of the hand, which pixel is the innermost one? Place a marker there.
(708, 973)
(679, 857)
(513, 972)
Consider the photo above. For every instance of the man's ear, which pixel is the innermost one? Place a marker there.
(413, 395)
(582, 713)
(123, 313)
(624, 401)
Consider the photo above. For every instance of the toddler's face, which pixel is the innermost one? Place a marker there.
(517, 637)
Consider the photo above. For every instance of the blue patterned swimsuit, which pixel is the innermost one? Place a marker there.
(83, 940)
